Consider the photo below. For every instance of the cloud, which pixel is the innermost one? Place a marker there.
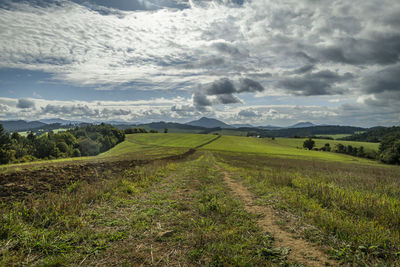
(25, 104)
(228, 49)
(221, 86)
(318, 83)
(377, 49)
(204, 63)
(200, 100)
(247, 85)
(247, 113)
(304, 69)
(385, 80)
(227, 99)
(222, 91)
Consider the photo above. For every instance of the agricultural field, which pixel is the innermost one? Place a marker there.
(284, 147)
(195, 200)
(298, 143)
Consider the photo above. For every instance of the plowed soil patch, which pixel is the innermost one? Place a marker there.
(53, 177)
(18, 185)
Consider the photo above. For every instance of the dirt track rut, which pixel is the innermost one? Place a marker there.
(301, 251)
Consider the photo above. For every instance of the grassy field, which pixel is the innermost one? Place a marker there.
(109, 212)
(231, 132)
(298, 143)
(280, 147)
(353, 208)
(135, 147)
(171, 140)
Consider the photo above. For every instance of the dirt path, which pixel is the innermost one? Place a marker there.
(301, 251)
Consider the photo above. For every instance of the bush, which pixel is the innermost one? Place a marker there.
(63, 147)
(76, 153)
(309, 143)
(390, 149)
(88, 147)
(6, 155)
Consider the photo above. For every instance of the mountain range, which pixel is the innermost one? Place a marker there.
(203, 124)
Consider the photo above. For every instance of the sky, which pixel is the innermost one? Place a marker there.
(241, 61)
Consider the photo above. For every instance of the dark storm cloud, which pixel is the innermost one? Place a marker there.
(223, 91)
(226, 86)
(387, 79)
(201, 100)
(304, 69)
(221, 86)
(227, 99)
(379, 49)
(247, 85)
(312, 84)
(304, 56)
(25, 103)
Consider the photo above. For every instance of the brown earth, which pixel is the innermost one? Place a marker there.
(55, 176)
(301, 251)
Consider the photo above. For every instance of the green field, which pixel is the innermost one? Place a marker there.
(298, 143)
(282, 147)
(171, 140)
(183, 211)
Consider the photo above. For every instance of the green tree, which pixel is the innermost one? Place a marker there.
(389, 149)
(309, 143)
(63, 147)
(5, 143)
(31, 137)
(76, 153)
(4, 138)
(361, 152)
(88, 147)
(46, 148)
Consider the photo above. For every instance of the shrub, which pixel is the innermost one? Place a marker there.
(309, 143)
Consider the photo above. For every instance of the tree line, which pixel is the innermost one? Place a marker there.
(88, 140)
(389, 149)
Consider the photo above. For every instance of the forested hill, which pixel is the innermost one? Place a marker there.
(307, 131)
(376, 134)
(21, 125)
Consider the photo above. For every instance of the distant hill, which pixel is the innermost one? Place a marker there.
(242, 125)
(160, 126)
(304, 132)
(209, 123)
(302, 125)
(118, 123)
(60, 121)
(21, 125)
(270, 127)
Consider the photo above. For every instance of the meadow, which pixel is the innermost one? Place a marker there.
(298, 143)
(285, 148)
(149, 201)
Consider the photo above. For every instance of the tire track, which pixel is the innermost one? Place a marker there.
(301, 251)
